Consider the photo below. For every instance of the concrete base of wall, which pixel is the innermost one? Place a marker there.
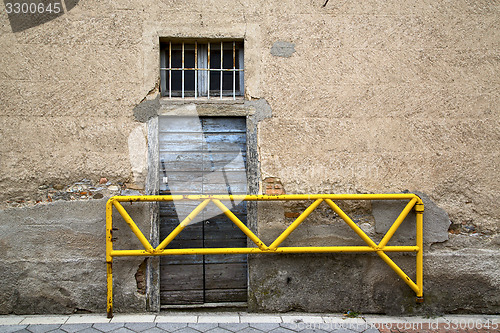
(464, 282)
(53, 260)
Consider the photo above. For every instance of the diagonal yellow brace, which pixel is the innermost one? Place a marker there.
(240, 225)
(182, 225)
(397, 223)
(295, 224)
(398, 271)
(133, 226)
(351, 223)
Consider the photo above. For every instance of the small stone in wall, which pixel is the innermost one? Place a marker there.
(283, 49)
(98, 196)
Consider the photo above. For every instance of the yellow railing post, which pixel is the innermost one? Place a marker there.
(109, 258)
(419, 210)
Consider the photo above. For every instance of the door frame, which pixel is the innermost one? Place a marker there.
(254, 112)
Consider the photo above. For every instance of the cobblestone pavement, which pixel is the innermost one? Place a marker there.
(232, 322)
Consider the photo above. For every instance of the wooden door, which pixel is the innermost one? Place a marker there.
(205, 155)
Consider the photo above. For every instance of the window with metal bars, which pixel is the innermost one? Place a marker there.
(212, 69)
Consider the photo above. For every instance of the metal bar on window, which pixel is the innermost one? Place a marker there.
(163, 71)
(170, 70)
(195, 70)
(182, 70)
(208, 71)
(240, 71)
(221, 66)
(202, 70)
(234, 71)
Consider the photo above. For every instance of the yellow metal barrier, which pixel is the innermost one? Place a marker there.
(414, 203)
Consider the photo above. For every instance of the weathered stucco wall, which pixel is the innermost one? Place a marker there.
(365, 97)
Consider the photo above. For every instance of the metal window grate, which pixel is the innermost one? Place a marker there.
(195, 69)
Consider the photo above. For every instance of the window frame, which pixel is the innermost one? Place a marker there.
(202, 69)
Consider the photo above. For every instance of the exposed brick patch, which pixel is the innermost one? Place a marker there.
(273, 186)
(140, 278)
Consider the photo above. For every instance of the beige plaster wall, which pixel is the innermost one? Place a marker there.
(377, 97)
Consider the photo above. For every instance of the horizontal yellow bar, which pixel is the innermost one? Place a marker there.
(248, 250)
(391, 196)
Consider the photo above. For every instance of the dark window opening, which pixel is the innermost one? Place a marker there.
(193, 69)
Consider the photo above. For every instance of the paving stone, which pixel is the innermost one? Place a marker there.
(123, 330)
(218, 330)
(44, 320)
(176, 319)
(290, 326)
(219, 319)
(124, 318)
(336, 319)
(11, 320)
(23, 331)
(370, 330)
(90, 330)
(265, 326)
(203, 327)
(383, 319)
(187, 330)
(42, 328)
(73, 328)
(171, 327)
(58, 331)
(139, 327)
(353, 322)
(11, 328)
(249, 330)
(107, 327)
(333, 327)
(302, 319)
(282, 330)
(87, 318)
(251, 318)
(314, 327)
(154, 330)
(345, 330)
(234, 327)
